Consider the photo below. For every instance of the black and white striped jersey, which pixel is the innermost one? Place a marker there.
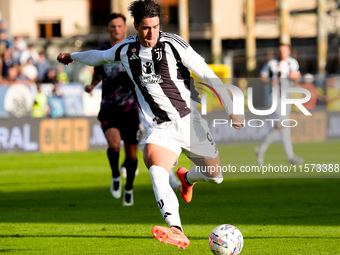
(160, 73)
(280, 69)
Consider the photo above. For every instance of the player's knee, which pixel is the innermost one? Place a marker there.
(114, 147)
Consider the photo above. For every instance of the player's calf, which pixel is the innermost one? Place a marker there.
(215, 179)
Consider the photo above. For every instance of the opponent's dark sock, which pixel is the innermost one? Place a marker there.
(131, 167)
(113, 159)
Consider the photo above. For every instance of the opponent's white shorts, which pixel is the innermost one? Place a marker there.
(190, 135)
(278, 114)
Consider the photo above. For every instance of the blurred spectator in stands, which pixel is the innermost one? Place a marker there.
(7, 62)
(43, 65)
(55, 103)
(39, 107)
(30, 72)
(62, 76)
(308, 84)
(12, 75)
(50, 77)
(5, 43)
(86, 74)
(5, 46)
(29, 53)
(1, 68)
(332, 96)
(20, 43)
(19, 46)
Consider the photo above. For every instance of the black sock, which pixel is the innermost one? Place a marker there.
(131, 167)
(113, 159)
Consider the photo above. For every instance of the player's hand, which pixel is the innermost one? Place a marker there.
(275, 82)
(65, 58)
(89, 88)
(294, 75)
(237, 120)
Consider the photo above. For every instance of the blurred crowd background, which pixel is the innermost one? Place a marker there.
(241, 35)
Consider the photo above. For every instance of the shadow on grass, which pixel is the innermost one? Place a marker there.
(236, 201)
(151, 237)
(14, 250)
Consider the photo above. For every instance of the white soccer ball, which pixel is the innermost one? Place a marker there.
(226, 240)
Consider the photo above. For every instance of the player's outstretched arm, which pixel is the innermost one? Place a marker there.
(90, 57)
(207, 74)
(194, 62)
(65, 58)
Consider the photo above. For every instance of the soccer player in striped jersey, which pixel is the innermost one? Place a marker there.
(282, 72)
(159, 64)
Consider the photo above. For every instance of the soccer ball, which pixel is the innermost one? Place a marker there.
(226, 240)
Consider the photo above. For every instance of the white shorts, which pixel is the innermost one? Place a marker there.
(190, 135)
(278, 114)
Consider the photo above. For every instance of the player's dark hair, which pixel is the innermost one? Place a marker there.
(142, 9)
(115, 15)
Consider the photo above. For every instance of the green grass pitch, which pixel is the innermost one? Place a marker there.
(60, 204)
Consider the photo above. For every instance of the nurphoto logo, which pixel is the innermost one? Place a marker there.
(280, 98)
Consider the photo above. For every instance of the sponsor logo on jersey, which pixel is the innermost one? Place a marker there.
(149, 76)
(147, 68)
(150, 79)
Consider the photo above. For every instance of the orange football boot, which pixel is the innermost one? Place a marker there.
(186, 189)
(170, 235)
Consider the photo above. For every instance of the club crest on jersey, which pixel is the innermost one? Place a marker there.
(158, 52)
